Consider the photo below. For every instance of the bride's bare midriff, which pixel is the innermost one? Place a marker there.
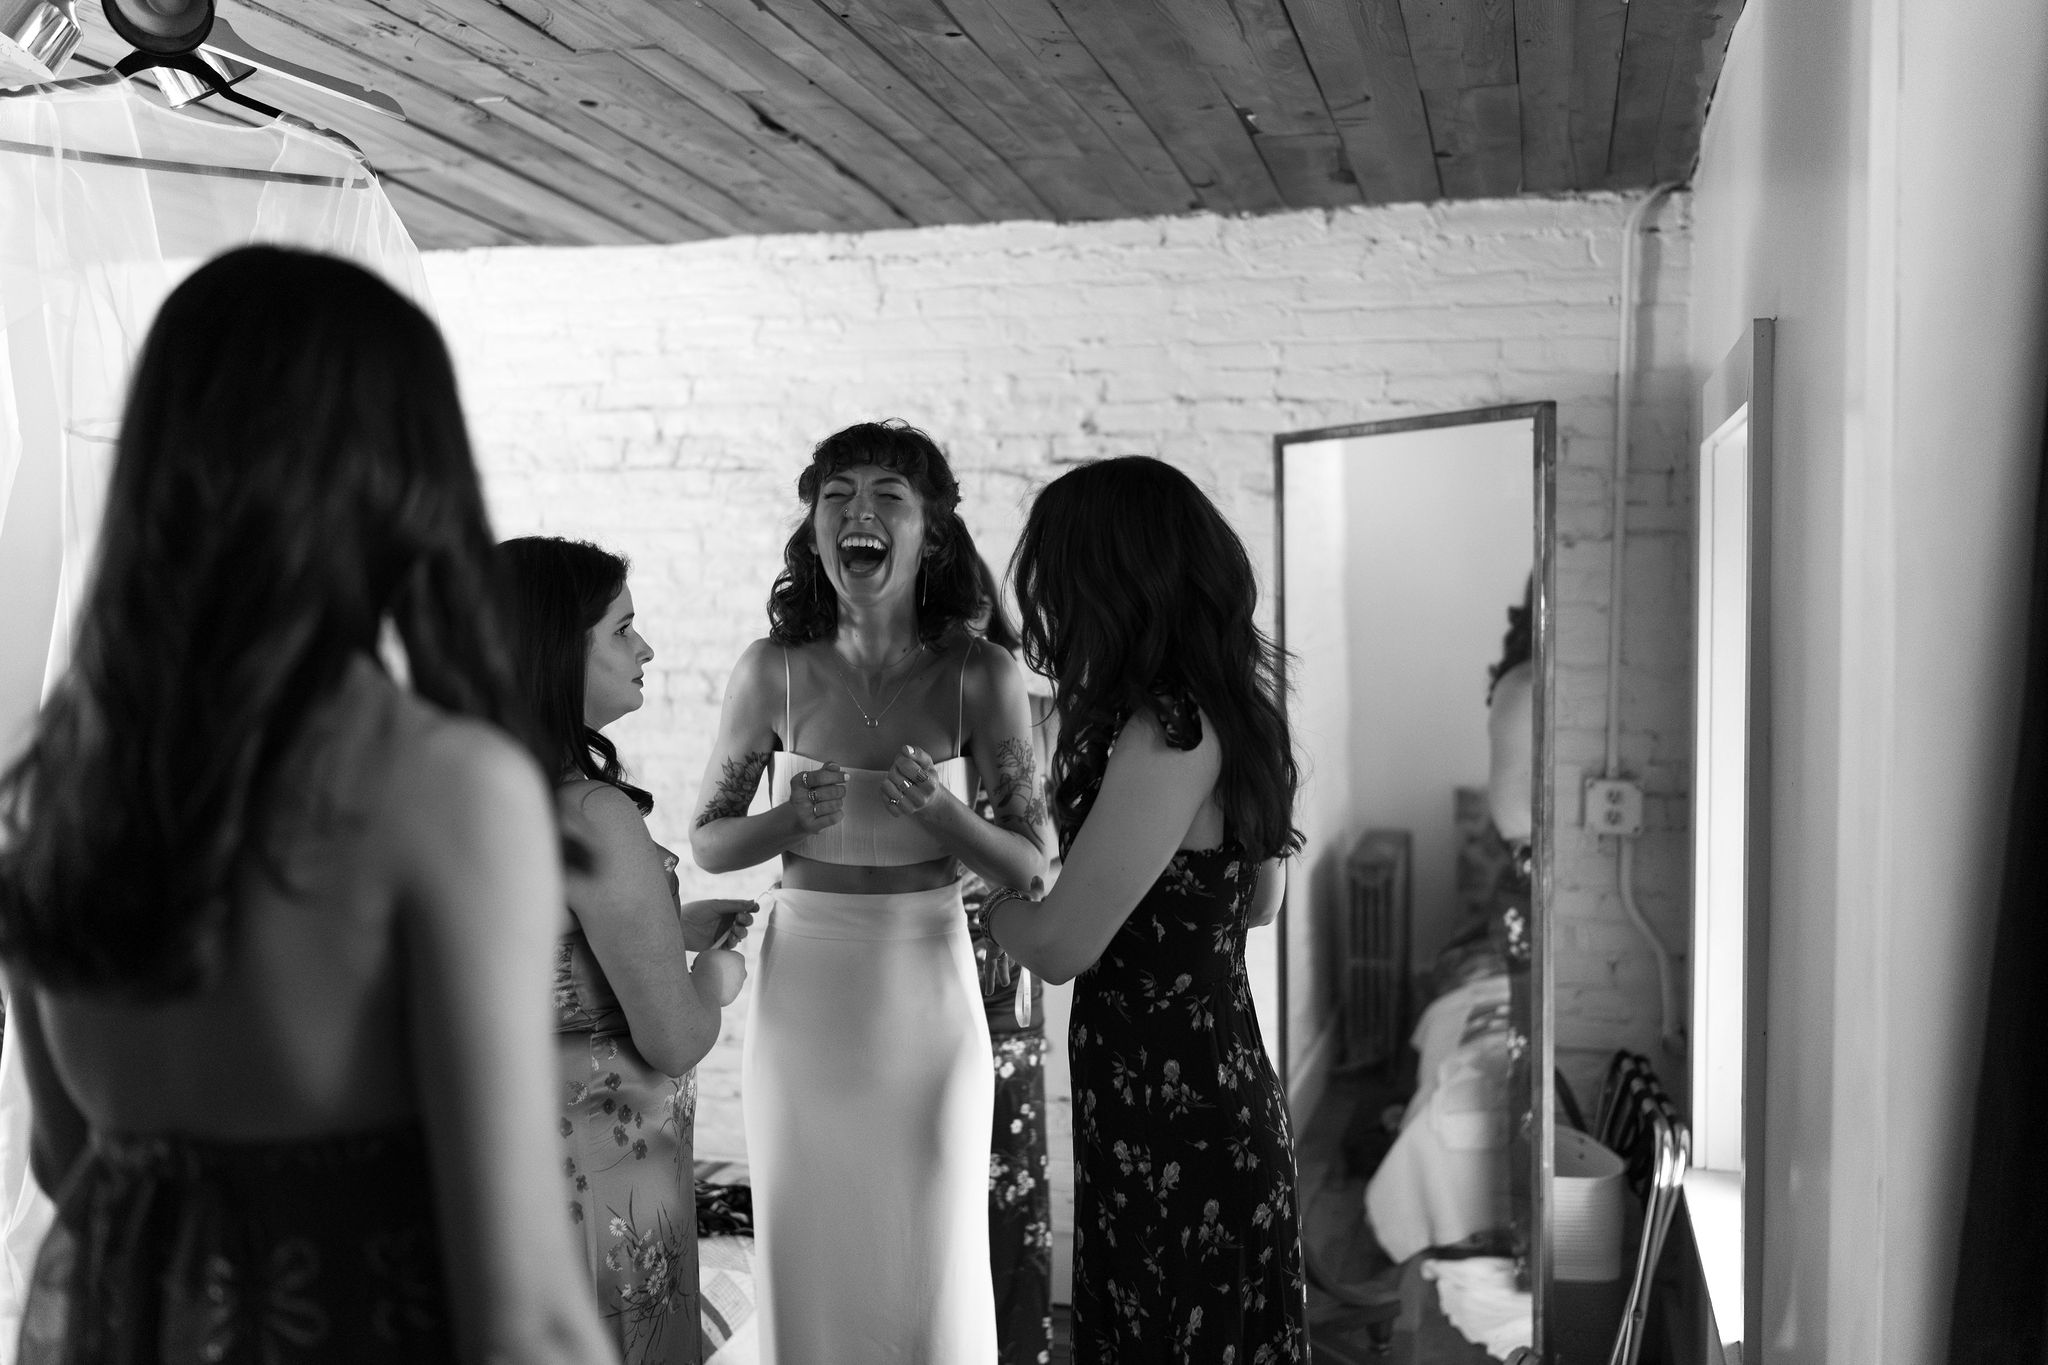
(808, 874)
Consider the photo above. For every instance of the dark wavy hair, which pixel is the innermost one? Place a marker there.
(1135, 592)
(555, 593)
(1518, 646)
(802, 606)
(292, 471)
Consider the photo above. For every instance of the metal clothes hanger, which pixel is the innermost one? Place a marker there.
(194, 75)
(189, 50)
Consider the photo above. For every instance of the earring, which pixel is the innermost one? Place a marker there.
(924, 585)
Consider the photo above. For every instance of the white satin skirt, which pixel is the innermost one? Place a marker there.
(867, 1091)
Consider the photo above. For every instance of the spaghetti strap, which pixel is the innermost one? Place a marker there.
(960, 703)
(788, 742)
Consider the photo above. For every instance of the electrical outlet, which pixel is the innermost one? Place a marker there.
(1614, 806)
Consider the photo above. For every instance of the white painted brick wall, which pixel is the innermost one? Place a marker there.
(662, 401)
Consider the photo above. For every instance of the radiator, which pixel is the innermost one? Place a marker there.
(1372, 950)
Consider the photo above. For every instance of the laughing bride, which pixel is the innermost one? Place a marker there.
(865, 1085)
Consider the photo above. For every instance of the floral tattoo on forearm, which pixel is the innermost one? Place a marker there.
(735, 789)
(1017, 779)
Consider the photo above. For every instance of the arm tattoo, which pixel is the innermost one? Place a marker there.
(735, 789)
(1017, 776)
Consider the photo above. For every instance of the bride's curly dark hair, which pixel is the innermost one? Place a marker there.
(802, 606)
(292, 471)
(1136, 593)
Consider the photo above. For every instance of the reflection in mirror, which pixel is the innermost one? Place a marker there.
(1411, 576)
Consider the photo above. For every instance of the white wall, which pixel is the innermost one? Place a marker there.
(1873, 176)
(1318, 636)
(662, 400)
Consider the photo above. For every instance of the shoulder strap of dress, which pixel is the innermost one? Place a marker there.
(788, 742)
(960, 703)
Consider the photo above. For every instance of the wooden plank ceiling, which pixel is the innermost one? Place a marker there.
(608, 121)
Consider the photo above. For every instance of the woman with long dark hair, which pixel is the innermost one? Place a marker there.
(1176, 784)
(633, 1015)
(866, 1081)
(272, 911)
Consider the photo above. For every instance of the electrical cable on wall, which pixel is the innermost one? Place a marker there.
(1670, 1032)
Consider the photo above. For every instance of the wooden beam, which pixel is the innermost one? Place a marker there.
(1650, 51)
(1703, 47)
(1032, 42)
(922, 39)
(862, 206)
(1184, 105)
(1543, 63)
(827, 56)
(587, 205)
(574, 25)
(759, 59)
(1251, 49)
(1598, 30)
(455, 46)
(709, 169)
(1311, 169)
(938, 57)
(952, 50)
(436, 225)
(1358, 50)
(1461, 44)
(1478, 135)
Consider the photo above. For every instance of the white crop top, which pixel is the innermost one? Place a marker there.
(867, 834)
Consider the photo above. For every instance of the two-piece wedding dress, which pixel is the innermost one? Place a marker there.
(867, 1090)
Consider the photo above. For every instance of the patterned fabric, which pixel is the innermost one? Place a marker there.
(626, 1133)
(1186, 1234)
(1187, 1243)
(1019, 1180)
(173, 1251)
(1020, 1201)
(1508, 931)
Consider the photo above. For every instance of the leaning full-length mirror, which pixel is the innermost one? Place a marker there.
(1413, 593)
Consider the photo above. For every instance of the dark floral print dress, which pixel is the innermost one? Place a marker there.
(1187, 1240)
(626, 1133)
(177, 1251)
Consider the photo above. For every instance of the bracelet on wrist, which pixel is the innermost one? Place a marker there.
(996, 898)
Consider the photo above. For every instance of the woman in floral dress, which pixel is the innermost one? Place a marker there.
(1176, 784)
(633, 1017)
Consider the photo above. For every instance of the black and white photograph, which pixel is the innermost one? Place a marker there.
(1023, 682)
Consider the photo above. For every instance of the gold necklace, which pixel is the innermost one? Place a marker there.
(874, 722)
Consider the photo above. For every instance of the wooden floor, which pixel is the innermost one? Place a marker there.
(1350, 1322)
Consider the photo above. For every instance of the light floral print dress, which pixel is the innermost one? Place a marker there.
(626, 1134)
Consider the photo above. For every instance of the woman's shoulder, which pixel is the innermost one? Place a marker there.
(595, 798)
(986, 669)
(764, 661)
(601, 813)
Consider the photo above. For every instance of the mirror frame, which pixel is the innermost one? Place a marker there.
(1542, 1041)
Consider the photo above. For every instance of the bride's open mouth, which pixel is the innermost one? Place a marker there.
(862, 553)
